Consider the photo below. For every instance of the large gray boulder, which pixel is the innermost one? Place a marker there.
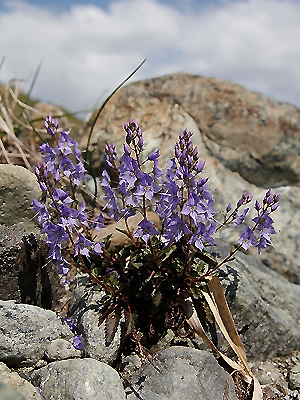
(25, 274)
(26, 332)
(248, 132)
(18, 187)
(82, 379)
(181, 373)
(264, 306)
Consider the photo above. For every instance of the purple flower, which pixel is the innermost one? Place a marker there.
(68, 218)
(111, 154)
(156, 171)
(77, 342)
(105, 179)
(228, 208)
(78, 174)
(82, 245)
(247, 239)
(41, 209)
(175, 228)
(97, 248)
(66, 143)
(127, 149)
(197, 237)
(98, 223)
(55, 234)
(71, 323)
(129, 173)
(61, 198)
(81, 215)
(147, 187)
(153, 156)
(146, 228)
(112, 205)
(49, 157)
(65, 165)
(63, 267)
(262, 244)
(192, 207)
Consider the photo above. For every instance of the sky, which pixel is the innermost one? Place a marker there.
(86, 48)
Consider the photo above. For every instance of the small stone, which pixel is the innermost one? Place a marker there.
(15, 387)
(294, 377)
(60, 349)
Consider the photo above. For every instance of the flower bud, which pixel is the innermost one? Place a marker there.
(257, 205)
(153, 156)
(126, 149)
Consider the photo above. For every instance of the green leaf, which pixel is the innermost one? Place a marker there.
(195, 292)
(130, 321)
(166, 252)
(157, 299)
(106, 241)
(124, 232)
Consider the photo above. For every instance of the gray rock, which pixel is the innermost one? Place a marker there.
(13, 387)
(25, 274)
(248, 132)
(85, 306)
(184, 374)
(18, 187)
(8, 393)
(264, 306)
(82, 379)
(26, 331)
(61, 349)
(294, 377)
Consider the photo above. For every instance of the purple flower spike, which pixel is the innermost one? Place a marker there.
(51, 125)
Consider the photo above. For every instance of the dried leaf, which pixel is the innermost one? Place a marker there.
(257, 390)
(111, 325)
(194, 322)
(220, 310)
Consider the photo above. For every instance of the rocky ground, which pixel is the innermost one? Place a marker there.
(249, 142)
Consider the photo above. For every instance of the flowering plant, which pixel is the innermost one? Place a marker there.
(165, 259)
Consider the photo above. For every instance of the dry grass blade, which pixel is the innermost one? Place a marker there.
(5, 152)
(220, 310)
(194, 322)
(218, 305)
(8, 120)
(257, 390)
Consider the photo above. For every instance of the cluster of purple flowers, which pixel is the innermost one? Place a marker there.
(177, 194)
(263, 227)
(64, 220)
(183, 202)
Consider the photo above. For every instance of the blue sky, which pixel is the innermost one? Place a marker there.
(63, 5)
(88, 48)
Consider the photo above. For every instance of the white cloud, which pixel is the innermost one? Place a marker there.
(88, 51)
